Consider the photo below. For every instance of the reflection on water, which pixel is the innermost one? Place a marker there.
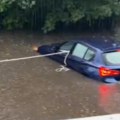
(109, 98)
(106, 92)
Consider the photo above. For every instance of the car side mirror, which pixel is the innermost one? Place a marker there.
(65, 52)
(55, 48)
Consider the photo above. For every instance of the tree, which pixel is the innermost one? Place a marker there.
(47, 14)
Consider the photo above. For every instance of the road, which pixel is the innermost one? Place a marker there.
(33, 90)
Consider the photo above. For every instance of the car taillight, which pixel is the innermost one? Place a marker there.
(118, 50)
(106, 72)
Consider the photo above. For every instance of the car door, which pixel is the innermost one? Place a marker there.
(80, 58)
(65, 47)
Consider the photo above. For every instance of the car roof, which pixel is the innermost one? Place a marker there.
(103, 44)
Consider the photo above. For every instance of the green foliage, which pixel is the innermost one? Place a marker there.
(50, 23)
(47, 14)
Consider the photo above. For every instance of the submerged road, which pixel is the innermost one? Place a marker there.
(33, 90)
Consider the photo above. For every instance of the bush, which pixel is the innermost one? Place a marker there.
(47, 14)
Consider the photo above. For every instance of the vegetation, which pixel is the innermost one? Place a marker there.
(47, 15)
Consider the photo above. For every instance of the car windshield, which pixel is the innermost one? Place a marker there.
(66, 46)
(112, 58)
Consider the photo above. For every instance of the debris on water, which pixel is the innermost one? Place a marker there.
(62, 68)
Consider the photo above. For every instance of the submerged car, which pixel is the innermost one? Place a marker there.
(96, 58)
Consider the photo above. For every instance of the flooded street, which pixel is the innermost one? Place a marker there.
(33, 90)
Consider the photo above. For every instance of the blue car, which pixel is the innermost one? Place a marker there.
(95, 58)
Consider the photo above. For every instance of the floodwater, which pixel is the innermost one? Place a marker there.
(33, 90)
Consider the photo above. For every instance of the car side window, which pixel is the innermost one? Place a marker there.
(66, 47)
(89, 55)
(79, 50)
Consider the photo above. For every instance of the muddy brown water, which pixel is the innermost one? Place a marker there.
(33, 90)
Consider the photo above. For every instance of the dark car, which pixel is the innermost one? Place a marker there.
(96, 58)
